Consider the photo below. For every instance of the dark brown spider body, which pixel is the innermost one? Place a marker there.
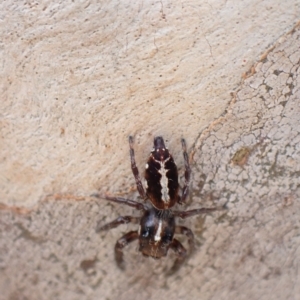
(157, 223)
(156, 232)
(161, 177)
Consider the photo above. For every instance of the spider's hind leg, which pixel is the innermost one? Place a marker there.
(187, 174)
(135, 170)
(117, 222)
(121, 200)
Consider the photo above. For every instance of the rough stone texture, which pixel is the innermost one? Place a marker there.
(248, 158)
(78, 77)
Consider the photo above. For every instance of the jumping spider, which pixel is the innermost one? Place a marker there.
(157, 222)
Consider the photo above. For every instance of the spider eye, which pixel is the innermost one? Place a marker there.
(167, 239)
(145, 232)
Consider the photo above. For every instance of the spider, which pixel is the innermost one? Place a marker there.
(157, 222)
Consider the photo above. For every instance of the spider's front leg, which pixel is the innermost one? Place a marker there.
(135, 170)
(180, 252)
(121, 243)
(187, 174)
(124, 240)
(188, 233)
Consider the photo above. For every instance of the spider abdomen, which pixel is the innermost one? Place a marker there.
(161, 176)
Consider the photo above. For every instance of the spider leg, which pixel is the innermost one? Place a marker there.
(135, 170)
(117, 222)
(188, 233)
(187, 174)
(194, 212)
(121, 243)
(180, 251)
(131, 203)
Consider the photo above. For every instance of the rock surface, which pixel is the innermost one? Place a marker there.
(78, 79)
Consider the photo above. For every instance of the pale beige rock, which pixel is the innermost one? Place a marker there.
(78, 78)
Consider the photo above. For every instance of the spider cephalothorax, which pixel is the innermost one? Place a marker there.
(157, 223)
